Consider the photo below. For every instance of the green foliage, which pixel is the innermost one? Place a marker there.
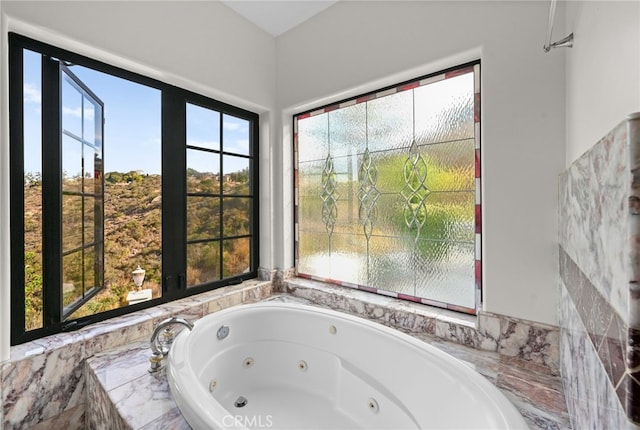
(33, 290)
(448, 195)
(241, 176)
(32, 179)
(133, 236)
(441, 212)
(119, 178)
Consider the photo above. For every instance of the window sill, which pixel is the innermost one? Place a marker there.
(127, 328)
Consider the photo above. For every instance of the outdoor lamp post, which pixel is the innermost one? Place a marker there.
(138, 277)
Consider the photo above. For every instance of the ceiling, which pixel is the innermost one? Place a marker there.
(277, 17)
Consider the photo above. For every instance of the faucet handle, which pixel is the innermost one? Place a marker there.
(156, 361)
(165, 339)
(163, 335)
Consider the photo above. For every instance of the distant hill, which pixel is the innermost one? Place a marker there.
(132, 227)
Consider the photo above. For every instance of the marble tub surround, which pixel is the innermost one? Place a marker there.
(604, 329)
(43, 381)
(511, 337)
(599, 266)
(124, 395)
(118, 383)
(594, 404)
(594, 216)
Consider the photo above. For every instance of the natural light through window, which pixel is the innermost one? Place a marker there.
(126, 192)
(387, 191)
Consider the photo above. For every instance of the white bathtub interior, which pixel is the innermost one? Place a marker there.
(286, 365)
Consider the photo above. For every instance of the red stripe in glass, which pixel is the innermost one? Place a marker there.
(459, 72)
(410, 86)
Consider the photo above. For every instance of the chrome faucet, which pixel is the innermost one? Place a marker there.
(160, 345)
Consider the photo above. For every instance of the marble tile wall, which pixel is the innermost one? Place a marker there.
(599, 313)
(119, 381)
(594, 404)
(43, 385)
(511, 337)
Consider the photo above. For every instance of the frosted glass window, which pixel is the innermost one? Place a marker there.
(387, 191)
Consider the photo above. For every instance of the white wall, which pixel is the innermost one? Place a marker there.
(603, 70)
(358, 46)
(349, 48)
(201, 46)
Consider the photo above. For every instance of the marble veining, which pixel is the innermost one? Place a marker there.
(533, 388)
(39, 387)
(534, 342)
(43, 382)
(600, 274)
(594, 216)
(46, 382)
(591, 398)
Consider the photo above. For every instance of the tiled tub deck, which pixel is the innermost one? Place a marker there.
(121, 394)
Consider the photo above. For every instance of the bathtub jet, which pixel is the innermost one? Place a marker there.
(291, 366)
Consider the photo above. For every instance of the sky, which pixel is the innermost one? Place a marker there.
(132, 131)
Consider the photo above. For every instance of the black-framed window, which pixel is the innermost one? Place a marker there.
(113, 173)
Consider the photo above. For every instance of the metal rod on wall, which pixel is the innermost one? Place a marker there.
(566, 42)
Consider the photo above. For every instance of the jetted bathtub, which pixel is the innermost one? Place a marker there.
(282, 365)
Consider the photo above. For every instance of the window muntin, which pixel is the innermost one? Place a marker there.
(82, 193)
(145, 222)
(387, 191)
(219, 188)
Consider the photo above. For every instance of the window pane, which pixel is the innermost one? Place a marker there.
(236, 175)
(235, 135)
(92, 117)
(313, 138)
(386, 191)
(203, 263)
(451, 165)
(32, 109)
(203, 127)
(71, 164)
(89, 157)
(444, 110)
(72, 269)
(203, 172)
(71, 107)
(237, 216)
(450, 217)
(203, 217)
(128, 229)
(90, 280)
(90, 210)
(71, 222)
(237, 258)
(445, 270)
(348, 130)
(390, 122)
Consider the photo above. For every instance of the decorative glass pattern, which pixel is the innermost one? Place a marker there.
(415, 192)
(328, 195)
(388, 191)
(367, 194)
